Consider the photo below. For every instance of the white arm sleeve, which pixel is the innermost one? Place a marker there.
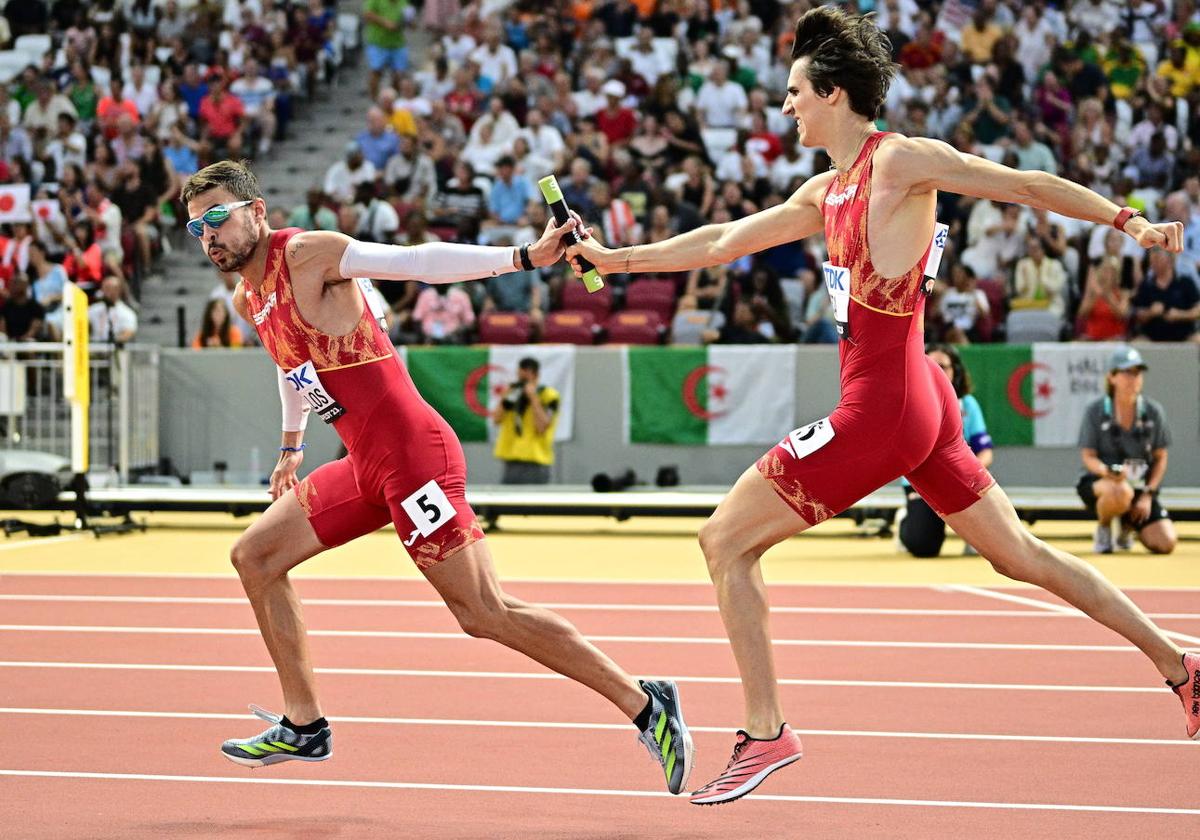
(431, 262)
(295, 409)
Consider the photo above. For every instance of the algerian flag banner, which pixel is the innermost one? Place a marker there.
(703, 395)
(1037, 394)
(464, 384)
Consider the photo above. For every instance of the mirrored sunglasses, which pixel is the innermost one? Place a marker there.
(214, 217)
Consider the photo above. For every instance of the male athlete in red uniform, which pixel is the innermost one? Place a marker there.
(898, 416)
(404, 466)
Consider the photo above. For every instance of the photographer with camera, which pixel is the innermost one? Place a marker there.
(1124, 440)
(526, 416)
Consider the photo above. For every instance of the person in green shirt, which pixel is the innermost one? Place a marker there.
(312, 215)
(82, 93)
(383, 35)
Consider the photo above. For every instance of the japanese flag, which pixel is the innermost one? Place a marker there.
(48, 211)
(14, 203)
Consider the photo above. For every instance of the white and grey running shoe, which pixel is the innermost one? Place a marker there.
(279, 743)
(667, 737)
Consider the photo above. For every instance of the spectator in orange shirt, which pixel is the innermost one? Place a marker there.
(222, 115)
(216, 330)
(111, 107)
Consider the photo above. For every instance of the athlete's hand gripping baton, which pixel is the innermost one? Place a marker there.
(592, 280)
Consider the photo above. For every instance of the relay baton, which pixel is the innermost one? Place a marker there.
(592, 280)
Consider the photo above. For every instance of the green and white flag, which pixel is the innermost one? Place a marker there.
(1036, 395)
(702, 395)
(464, 384)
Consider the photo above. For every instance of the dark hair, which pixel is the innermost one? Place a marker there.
(207, 327)
(530, 364)
(848, 52)
(959, 378)
(232, 175)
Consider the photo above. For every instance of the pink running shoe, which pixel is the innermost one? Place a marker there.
(1189, 693)
(753, 760)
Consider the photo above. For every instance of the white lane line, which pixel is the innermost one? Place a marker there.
(614, 727)
(666, 640)
(38, 542)
(683, 608)
(831, 800)
(532, 675)
(825, 584)
(1056, 608)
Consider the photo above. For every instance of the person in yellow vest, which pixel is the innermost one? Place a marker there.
(526, 416)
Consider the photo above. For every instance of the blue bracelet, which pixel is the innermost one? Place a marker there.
(299, 448)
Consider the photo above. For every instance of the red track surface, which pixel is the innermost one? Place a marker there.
(843, 761)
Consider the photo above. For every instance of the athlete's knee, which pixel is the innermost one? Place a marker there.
(481, 620)
(721, 546)
(251, 563)
(1019, 556)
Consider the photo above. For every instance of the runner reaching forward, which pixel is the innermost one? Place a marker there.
(898, 415)
(404, 466)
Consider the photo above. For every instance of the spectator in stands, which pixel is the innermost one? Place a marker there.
(68, 147)
(496, 61)
(41, 115)
(343, 177)
(258, 97)
(526, 416)
(1104, 311)
(980, 35)
(921, 531)
(410, 173)
(84, 262)
(106, 219)
(1039, 281)
(110, 319)
(223, 291)
(377, 218)
(222, 117)
(1166, 305)
(110, 108)
(129, 144)
(216, 327)
(509, 194)
(14, 142)
(745, 328)
(1124, 439)
(987, 113)
(444, 313)
(461, 205)
(963, 306)
(182, 152)
(817, 326)
(49, 282)
(313, 214)
(138, 203)
(378, 141)
(721, 102)
(1032, 153)
(518, 291)
(614, 120)
(21, 313)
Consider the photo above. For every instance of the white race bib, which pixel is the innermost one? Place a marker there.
(934, 260)
(375, 301)
(837, 283)
(306, 382)
(429, 509)
(808, 439)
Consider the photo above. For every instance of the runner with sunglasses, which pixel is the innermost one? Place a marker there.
(405, 466)
(898, 415)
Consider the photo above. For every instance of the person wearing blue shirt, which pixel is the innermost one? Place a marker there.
(378, 141)
(922, 531)
(510, 195)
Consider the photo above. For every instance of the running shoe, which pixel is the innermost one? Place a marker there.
(753, 760)
(1189, 692)
(1102, 542)
(279, 743)
(667, 737)
(1125, 539)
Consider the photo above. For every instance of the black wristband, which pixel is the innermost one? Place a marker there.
(526, 263)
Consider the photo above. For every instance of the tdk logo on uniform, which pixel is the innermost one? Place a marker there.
(836, 278)
(838, 199)
(261, 315)
(300, 377)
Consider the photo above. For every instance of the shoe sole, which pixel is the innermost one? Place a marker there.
(274, 758)
(748, 785)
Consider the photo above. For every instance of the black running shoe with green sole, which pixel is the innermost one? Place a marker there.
(279, 743)
(667, 737)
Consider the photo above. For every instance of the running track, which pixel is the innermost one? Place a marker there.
(926, 712)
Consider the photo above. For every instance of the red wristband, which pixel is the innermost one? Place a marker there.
(1124, 216)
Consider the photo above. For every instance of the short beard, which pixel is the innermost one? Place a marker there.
(241, 257)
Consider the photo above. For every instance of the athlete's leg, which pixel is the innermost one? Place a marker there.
(467, 582)
(992, 527)
(749, 520)
(263, 555)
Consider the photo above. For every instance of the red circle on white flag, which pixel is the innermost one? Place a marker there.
(7, 202)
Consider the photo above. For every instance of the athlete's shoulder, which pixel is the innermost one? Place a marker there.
(316, 253)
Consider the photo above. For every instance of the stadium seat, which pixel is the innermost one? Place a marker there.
(1026, 326)
(573, 327)
(655, 295)
(635, 326)
(995, 293)
(576, 297)
(504, 328)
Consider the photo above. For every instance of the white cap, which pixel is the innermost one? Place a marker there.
(613, 88)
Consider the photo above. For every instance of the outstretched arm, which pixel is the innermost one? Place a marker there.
(335, 257)
(919, 165)
(796, 218)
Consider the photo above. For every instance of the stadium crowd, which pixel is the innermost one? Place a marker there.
(656, 115)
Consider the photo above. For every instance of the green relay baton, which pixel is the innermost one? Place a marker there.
(592, 280)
